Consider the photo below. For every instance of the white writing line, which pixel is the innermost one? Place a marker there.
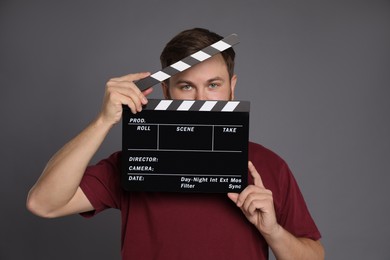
(179, 150)
(184, 125)
(178, 174)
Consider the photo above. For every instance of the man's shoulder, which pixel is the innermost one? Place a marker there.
(111, 163)
(259, 151)
(115, 157)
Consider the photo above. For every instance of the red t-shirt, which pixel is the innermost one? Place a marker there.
(196, 226)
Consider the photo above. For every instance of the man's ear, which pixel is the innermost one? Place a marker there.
(165, 90)
(233, 82)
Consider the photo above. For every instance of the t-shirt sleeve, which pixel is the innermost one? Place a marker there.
(294, 214)
(100, 184)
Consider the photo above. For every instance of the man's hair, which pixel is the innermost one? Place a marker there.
(190, 41)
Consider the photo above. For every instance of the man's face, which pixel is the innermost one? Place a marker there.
(208, 80)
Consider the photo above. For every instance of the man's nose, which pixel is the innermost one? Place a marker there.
(200, 95)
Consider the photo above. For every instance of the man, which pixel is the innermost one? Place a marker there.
(269, 212)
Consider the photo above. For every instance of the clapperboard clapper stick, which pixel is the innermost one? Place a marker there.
(187, 62)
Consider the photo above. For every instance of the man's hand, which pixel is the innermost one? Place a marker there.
(256, 202)
(122, 91)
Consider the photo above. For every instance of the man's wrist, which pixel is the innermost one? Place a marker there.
(274, 234)
(100, 123)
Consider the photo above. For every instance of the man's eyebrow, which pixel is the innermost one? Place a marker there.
(183, 81)
(189, 82)
(215, 79)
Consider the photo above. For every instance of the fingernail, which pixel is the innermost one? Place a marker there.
(144, 100)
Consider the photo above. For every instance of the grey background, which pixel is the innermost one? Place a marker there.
(316, 72)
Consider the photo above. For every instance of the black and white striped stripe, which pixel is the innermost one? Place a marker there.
(198, 105)
(187, 62)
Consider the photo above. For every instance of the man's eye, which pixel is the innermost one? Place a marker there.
(213, 85)
(186, 87)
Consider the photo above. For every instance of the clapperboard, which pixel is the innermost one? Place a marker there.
(186, 145)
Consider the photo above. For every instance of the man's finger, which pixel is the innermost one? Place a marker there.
(256, 176)
(147, 92)
(134, 77)
(233, 196)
